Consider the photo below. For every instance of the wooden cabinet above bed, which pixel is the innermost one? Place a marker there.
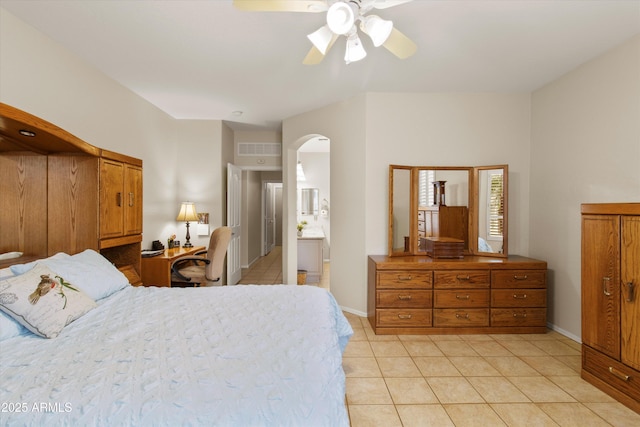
(58, 197)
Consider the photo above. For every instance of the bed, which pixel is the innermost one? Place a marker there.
(231, 356)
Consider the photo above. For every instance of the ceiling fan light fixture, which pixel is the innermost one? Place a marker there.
(377, 28)
(354, 50)
(321, 38)
(340, 18)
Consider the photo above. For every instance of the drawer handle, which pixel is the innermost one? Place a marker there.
(462, 296)
(461, 277)
(605, 287)
(131, 199)
(520, 315)
(462, 316)
(618, 374)
(516, 277)
(404, 297)
(118, 199)
(404, 277)
(404, 316)
(523, 296)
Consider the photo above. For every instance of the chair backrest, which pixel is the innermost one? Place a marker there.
(218, 244)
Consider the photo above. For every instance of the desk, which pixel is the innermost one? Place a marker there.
(156, 271)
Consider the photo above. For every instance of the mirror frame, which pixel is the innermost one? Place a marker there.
(473, 209)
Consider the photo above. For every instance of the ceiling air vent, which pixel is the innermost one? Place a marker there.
(259, 149)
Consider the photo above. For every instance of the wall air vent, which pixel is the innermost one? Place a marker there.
(259, 149)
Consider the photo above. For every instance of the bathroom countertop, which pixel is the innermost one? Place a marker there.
(312, 233)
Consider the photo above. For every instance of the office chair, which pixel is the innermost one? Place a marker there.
(200, 270)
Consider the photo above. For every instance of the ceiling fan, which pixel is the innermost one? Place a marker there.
(342, 17)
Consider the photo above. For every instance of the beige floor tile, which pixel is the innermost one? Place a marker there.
(573, 415)
(523, 415)
(389, 349)
(438, 338)
(456, 348)
(358, 349)
(424, 416)
(374, 416)
(548, 365)
(367, 391)
(489, 348)
(474, 366)
(571, 343)
(541, 389)
(410, 391)
(371, 336)
(512, 367)
(358, 335)
(497, 390)
(574, 362)
(454, 390)
(415, 338)
(581, 390)
(398, 367)
(361, 367)
(616, 414)
(476, 337)
(422, 348)
(436, 367)
(555, 348)
(476, 415)
(506, 337)
(522, 348)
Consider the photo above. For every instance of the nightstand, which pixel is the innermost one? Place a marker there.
(156, 271)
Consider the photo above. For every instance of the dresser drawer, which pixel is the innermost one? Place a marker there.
(405, 279)
(453, 317)
(519, 279)
(403, 299)
(410, 317)
(461, 279)
(619, 376)
(519, 298)
(455, 298)
(518, 317)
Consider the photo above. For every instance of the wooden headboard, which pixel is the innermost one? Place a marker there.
(62, 194)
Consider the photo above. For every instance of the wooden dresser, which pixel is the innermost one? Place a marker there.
(421, 295)
(62, 194)
(610, 300)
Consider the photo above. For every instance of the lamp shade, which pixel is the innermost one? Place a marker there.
(321, 38)
(377, 28)
(354, 51)
(187, 212)
(340, 18)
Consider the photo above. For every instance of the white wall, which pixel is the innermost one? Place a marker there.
(181, 159)
(585, 149)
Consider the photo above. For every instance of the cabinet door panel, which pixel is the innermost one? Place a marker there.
(132, 200)
(111, 198)
(630, 281)
(600, 279)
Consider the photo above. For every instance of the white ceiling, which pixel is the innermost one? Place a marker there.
(205, 59)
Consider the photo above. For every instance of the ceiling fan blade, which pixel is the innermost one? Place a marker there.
(400, 45)
(385, 4)
(281, 5)
(314, 56)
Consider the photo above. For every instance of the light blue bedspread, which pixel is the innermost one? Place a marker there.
(224, 356)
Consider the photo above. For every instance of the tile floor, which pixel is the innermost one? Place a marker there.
(463, 380)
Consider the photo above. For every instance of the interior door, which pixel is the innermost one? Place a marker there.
(234, 211)
(269, 217)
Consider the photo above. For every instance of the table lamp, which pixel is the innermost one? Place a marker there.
(187, 213)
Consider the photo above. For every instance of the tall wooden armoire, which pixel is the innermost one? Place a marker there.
(610, 300)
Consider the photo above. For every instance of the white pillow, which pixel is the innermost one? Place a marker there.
(88, 270)
(9, 328)
(43, 301)
(23, 268)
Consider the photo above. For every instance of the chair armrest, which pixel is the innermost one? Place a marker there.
(200, 252)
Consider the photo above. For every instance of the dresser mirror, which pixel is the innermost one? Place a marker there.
(465, 203)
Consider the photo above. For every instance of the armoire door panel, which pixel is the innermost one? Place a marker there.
(630, 281)
(600, 283)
